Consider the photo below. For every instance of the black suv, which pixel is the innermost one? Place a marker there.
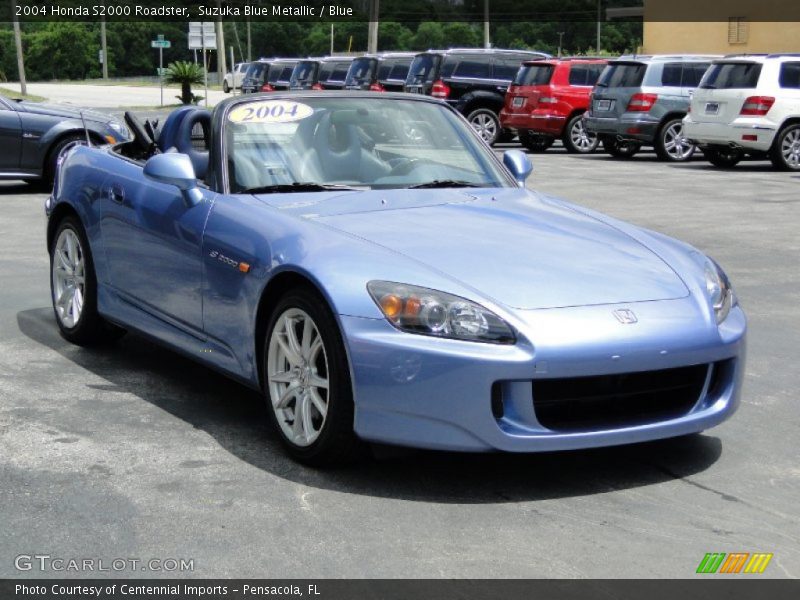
(268, 75)
(473, 80)
(327, 73)
(384, 72)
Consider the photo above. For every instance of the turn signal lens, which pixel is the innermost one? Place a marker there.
(642, 102)
(391, 306)
(757, 106)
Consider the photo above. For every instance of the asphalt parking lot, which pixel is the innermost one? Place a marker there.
(133, 451)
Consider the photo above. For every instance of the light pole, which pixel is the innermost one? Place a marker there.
(486, 42)
(104, 47)
(560, 37)
(599, 11)
(372, 32)
(23, 88)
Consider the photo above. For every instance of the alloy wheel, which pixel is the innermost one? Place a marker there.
(69, 278)
(790, 149)
(676, 146)
(582, 140)
(297, 374)
(485, 126)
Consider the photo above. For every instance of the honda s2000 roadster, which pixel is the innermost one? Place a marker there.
(370, 265)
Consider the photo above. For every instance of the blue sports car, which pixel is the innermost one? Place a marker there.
(369, 264)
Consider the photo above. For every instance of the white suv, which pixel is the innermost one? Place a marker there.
(748, 105)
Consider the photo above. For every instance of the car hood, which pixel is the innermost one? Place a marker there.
(67, 112)
(516, 248)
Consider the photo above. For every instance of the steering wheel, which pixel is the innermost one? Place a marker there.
(141, 138)
(404, 167)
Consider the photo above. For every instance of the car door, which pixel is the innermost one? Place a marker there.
(10, 137)
(153, 245)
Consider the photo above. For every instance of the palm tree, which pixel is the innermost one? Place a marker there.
(185, 73)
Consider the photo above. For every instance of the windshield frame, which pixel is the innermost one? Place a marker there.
(219, 150)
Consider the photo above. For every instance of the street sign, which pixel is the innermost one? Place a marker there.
(202, 35)
(160, 44)
(161, 71)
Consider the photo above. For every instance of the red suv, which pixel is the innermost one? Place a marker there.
(547, 100)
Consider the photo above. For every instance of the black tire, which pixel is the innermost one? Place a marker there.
(670, 144)
(619, 149)
(586, 143)
(336, 442)
(785, 151)
(723, 157)
(225, 87)
(90, 328)
(50, 163)
(533, 142)
(486, 123)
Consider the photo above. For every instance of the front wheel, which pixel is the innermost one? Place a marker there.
(533, 142)
(577, 139)
(309, 392)
(723, 157)
(620, 149)
(486, 124)
(671, 144)
(785, 152)
(225, 87)
(73, 287)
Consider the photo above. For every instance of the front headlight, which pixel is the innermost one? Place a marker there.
(120, 129)
(719, 290)
(429, 312)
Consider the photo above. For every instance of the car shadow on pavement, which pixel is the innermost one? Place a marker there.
(20, 187)
(236, 418)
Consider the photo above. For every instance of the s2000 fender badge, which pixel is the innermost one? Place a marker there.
(625, 316)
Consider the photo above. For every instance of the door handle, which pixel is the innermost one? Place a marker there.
(116, 193)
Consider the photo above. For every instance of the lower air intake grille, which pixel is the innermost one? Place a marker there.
(613, 401)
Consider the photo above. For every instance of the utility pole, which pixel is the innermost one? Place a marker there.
(372, 33)
(560, 37)
(486, 42)
(249, 43)
(222, 68)
(23, 88)
(599, 12)
(331, 53)
(104, 47)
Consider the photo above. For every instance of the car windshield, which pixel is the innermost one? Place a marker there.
(361, 71)
(316, 143)
(620, 75)
(256, 70)
(280, 72)
(534, 75)
(304, 71)
(728, 76)
(423, 69)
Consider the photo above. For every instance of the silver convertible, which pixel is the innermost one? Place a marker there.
(380, 275)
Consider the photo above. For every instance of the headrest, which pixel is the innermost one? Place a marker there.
(183, 139)
(166, 138)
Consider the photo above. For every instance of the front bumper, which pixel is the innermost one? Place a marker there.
(537, 121)
(418, 391)
(738, 133)
(637, 128)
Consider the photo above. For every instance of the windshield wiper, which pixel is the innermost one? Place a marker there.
(300, 186)
(443, 183)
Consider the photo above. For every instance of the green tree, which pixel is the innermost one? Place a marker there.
(62, 51)
(394, 36)
(186, 74)
(462, 35)
(429, 35)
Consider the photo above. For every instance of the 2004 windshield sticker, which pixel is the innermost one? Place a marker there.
(270, 111)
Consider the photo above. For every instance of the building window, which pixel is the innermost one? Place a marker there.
(737, 30)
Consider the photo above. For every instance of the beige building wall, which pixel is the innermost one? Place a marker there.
(732, 26)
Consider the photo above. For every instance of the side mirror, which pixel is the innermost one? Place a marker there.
(519, 164)
(175, 169)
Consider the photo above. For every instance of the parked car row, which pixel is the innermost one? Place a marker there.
(728, 107)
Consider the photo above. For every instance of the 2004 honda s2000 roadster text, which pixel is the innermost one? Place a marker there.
(368, 263)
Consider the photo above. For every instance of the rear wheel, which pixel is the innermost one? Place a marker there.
(309, 392)
(785, 152)
(671, 144)
(225, 87)
(534, 142)
(486, 124)
(723, 157)
(620, 149)
(577, 139)
(73, 288)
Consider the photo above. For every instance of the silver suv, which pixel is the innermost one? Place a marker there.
(641, 101)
